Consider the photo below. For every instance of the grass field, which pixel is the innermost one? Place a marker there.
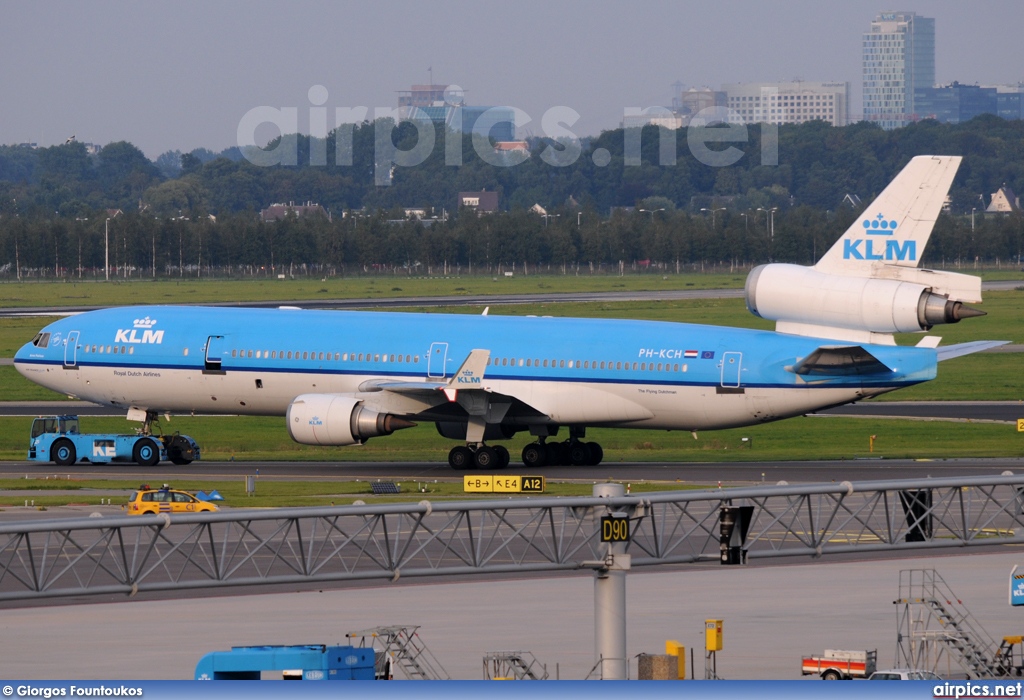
(192, 291)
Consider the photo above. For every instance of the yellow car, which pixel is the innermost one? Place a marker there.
(147, 501)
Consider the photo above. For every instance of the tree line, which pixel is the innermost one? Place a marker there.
(201, 218)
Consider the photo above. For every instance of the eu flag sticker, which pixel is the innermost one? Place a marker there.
(707, 355)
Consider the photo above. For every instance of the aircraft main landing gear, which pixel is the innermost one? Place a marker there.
(574, 453)
(479, 457)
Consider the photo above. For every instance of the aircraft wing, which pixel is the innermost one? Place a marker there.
(960, 349)
(469, 375)
(841, 360)
(467, 386)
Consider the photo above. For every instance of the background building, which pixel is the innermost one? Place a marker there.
(445, 104)
(788, 103)
(957, 103)
(898, 58)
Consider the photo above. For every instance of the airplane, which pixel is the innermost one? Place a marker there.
(343, 377)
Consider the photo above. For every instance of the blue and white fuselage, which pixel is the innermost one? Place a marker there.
(569, 371)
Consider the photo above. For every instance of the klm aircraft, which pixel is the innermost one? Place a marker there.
(341, 377)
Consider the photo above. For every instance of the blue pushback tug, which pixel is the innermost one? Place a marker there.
(58, 439)
(306, 662)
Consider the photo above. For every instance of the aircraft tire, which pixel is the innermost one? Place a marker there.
(486, 458)
(535, 455)
(596, 454)
(579, 454)
(558, 454)
(460, 457)
(63, 453)
(145, 453)
(503, 456)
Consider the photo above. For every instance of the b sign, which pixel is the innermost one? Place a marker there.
(1016, 586)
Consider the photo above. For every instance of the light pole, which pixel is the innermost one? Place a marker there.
(579, 218)
(713, 210)
(652, 211)
(548, 216)
(746, 229)
(769, 221)
(106, 250)
(972, 219)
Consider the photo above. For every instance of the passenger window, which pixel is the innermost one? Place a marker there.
(185, 352)
(321, 356)
(392, 358)
(545, 363)
(528, 363)
(406, 358)
(376, 358)
(131, 350)
(634, 367)
(416, 359)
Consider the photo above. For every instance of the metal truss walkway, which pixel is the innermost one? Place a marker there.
(123, 554)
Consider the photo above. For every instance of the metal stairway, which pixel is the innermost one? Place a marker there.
(935, 626)
(407, 651)
(513, 665)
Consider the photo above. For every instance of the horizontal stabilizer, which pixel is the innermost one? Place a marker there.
(840, 360)
(960, 349)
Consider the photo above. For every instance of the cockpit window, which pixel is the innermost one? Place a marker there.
(41, 340)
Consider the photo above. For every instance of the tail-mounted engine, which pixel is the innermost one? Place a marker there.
(338, 419)
(805, 301)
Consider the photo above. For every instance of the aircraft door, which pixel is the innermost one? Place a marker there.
(71, 350)
(731, 362)
(215, 350)
(436, 360)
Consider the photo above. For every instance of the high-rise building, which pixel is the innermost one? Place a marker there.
(788, 102)
(898, 57)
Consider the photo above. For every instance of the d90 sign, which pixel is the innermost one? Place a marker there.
(614, 529)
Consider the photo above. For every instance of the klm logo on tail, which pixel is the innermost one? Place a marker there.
(889, 248)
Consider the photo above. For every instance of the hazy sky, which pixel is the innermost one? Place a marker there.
(180, 75)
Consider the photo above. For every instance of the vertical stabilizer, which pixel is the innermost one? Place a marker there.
(895, 227)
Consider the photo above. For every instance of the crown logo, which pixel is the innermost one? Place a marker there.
(879, 222)
(144, 322)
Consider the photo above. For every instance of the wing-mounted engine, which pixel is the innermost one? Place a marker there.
(805, 301)
(338, 419)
